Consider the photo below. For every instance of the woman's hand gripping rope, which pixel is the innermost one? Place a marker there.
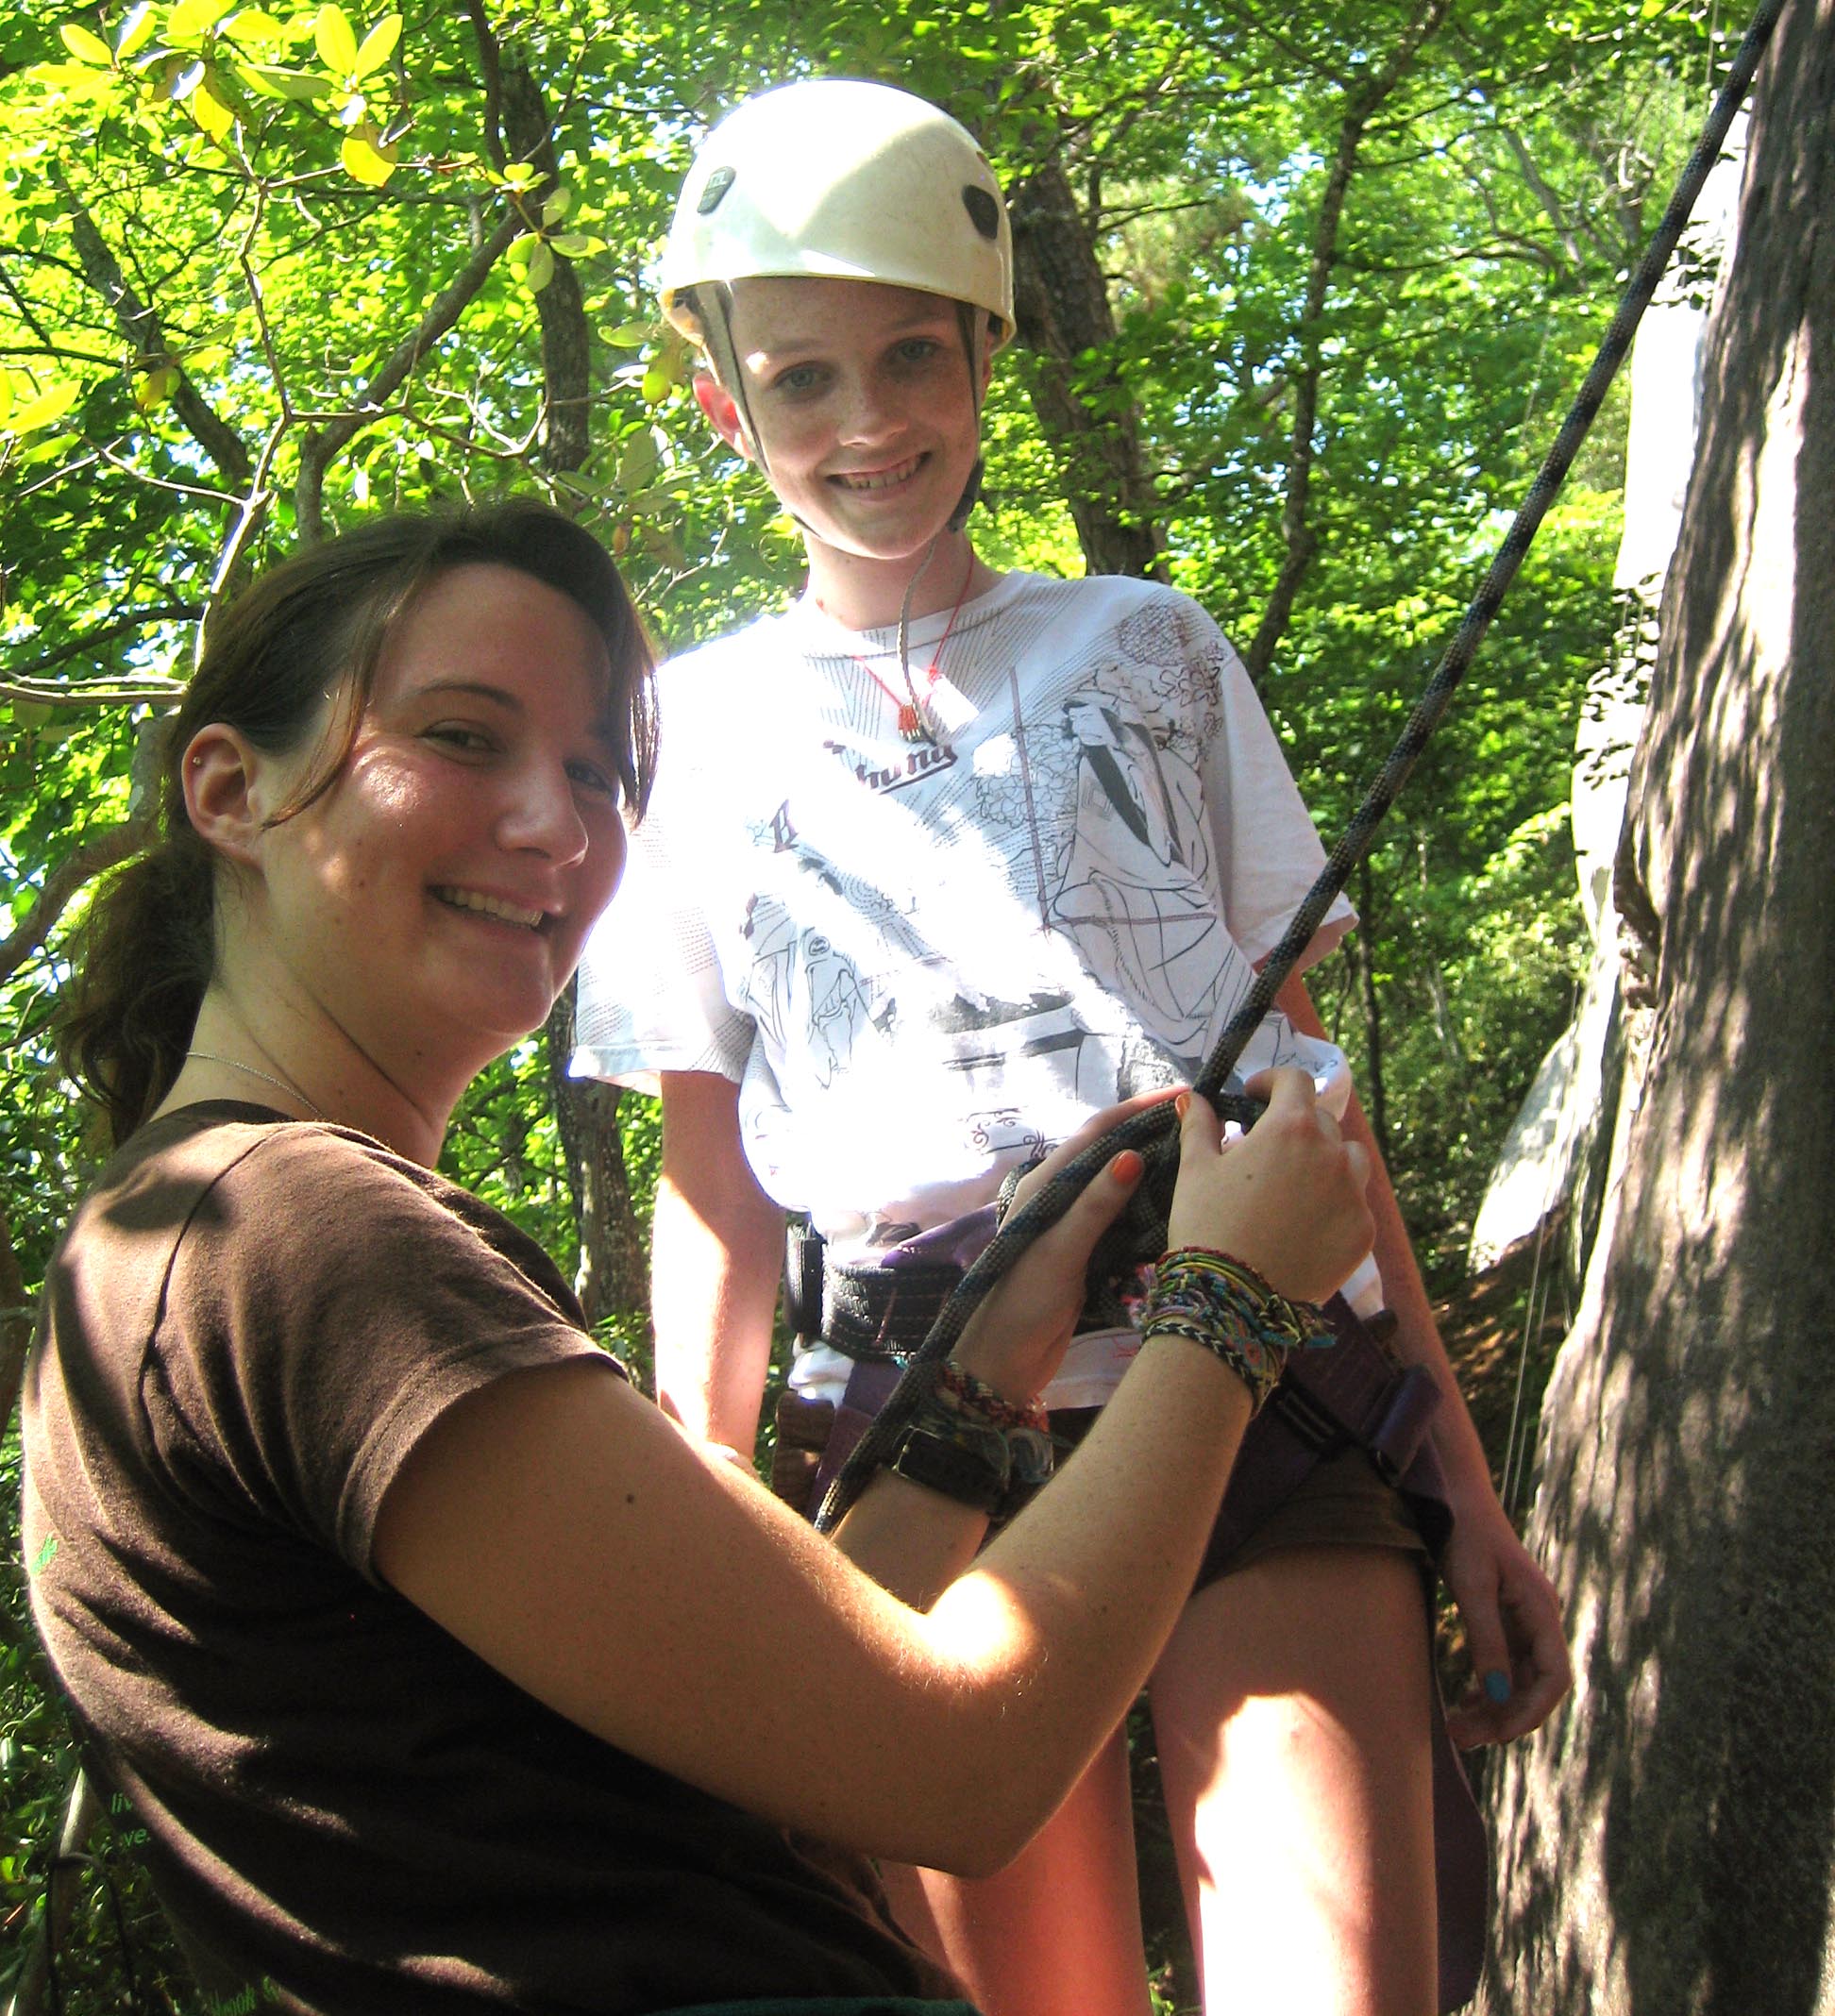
(1292, 1208)
(1287, 1198)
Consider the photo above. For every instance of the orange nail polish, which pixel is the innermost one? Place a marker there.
(1127, 1166)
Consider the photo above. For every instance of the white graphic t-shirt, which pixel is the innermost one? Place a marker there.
(924, 961)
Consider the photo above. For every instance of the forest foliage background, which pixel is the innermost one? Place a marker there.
(1303, 290)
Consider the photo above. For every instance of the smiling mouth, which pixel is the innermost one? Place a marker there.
(879, 479)
(492, 906)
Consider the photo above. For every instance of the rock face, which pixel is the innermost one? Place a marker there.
(1555, 1154)
(1666, 1843)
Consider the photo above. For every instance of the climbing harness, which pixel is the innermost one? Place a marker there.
(1141, 1232)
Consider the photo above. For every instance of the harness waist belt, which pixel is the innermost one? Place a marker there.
(880, 1314)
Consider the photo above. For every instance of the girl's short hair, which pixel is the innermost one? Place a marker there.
(310, 629)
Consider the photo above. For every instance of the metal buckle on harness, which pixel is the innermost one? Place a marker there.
(1305, 1417)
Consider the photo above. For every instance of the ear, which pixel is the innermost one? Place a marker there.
(227, 787)
(722, 414)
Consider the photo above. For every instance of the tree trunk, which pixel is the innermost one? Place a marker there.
(15, 1326)
(614, 1271)
(1062, 308)
(1668, 1842)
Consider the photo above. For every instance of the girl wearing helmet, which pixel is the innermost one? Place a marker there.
(943, 861)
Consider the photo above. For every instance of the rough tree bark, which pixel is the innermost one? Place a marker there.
(1061, 307)
(1668, 1842)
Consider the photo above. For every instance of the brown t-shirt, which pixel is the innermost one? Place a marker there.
(248, 1328)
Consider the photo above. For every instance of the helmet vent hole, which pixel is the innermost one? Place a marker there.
(984, 212)
(717, 184)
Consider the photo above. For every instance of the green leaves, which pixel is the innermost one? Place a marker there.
(335, 42)
(25, 408)
(86, 48)
(367, 158)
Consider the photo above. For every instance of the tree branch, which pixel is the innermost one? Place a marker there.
(141, 326)
(17, 683)
(1300, 539)
(521, 132)
(65, 883)
(324, 442)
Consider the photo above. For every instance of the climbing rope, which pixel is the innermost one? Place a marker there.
(1139, 1233)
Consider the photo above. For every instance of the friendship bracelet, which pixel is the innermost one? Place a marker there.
(1302, 1325)
(949, 1446)
(975, 1396)
(1225, 1305)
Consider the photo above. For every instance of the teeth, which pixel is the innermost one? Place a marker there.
(490, 906)
(885, 478)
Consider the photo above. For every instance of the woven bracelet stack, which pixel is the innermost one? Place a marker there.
(1227, 1307)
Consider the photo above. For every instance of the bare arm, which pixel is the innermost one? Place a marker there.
(1511, 1613)
(571, 1536)
(717, 1255)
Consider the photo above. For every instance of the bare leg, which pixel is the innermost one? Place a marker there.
(1292, 1714)
(1057, 1933)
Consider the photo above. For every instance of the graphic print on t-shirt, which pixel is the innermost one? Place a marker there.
(924, 962)
(1053, 945)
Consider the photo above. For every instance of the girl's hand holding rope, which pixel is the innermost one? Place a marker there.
(1017, 1337)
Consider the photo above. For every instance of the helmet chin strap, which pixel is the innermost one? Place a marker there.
(974, 345)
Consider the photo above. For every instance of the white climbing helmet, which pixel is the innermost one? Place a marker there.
(841, 180)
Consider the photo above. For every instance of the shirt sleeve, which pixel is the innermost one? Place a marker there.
(652, 995)
(1268, 851)
(326, 1306)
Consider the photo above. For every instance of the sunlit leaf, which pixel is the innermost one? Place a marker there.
(86, 48)
(190, 19)
(377, 46)
(210, 110)
(253, 28)
(136, 30)
(154, 388)
(577, 245)
(334, 40)
(540, 269)
(556, 206)
(47, 407)
(366, 162)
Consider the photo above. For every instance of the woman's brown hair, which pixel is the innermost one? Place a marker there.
(310, 630)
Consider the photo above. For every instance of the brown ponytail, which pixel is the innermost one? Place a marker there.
(312, 628)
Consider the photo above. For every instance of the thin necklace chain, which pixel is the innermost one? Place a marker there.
(281, 1085)
(914, 723)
